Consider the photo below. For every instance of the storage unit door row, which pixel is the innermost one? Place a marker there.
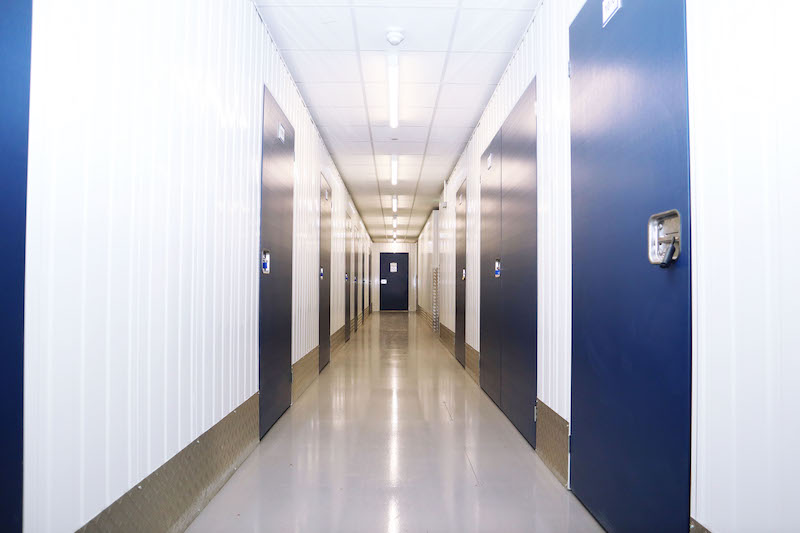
(508, 266)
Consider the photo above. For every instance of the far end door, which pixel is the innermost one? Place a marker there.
(394, 282)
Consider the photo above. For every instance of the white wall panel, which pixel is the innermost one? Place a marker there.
(543, 53)
(428, 246)
(394, 247)
(142, 238)
(447, 249)
(745, 165)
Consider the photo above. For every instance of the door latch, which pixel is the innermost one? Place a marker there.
(497, 268)
(664, 238)
(463, 274)
(265, 262)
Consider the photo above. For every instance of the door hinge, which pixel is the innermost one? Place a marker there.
(291, 376)
(535, 410)
(569, 69)
(570, 444)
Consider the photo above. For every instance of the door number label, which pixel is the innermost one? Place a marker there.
(610, 8)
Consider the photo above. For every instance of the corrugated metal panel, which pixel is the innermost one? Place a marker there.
(428, 260)
(141, 301)
(743, 116)
(447, 250)
(543, 53)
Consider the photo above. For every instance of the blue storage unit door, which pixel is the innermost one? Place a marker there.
(461, 273)
(631, 322)
(325, 206)
(15, 78)
(348, 276)
(491, 340)
(518, 263)
(275, 287)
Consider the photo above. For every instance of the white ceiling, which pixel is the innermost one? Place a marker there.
(452, 57)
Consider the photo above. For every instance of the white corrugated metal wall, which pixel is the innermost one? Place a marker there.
(141, 294)
(428, 259)
(745, 168)
(543, 53)
(447, 251)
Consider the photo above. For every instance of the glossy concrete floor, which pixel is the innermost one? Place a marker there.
(394, 436)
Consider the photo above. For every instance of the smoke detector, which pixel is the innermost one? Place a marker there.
(395, 37)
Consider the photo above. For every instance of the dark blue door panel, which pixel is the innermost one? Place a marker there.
(394, 293)
(631, 336)
(15, 77)
(275, 288)
(518, 256)
(491, 300)
(460, 273)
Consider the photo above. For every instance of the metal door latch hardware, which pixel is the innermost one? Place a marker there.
(463, 274)
(265, 262)
(664, 238)
(497, 268)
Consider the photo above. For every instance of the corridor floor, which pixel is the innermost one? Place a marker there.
(394, 436)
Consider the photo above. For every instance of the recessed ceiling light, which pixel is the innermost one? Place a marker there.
(394, 222)
(393, 77)
(394, 170)
(394, 203)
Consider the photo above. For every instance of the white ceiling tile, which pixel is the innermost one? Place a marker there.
(465, 95)
(332, 94)
(457, 117)
(446, 147)
(439, 133)
(411, 94)
(400, 147)
(501, 4)
(406, 133)
(476, 67)
(322, 66)
(409, 116)
(415, 67)
(490, 30)
(309, 27)
(350, 147)
(339, 116)
(343, 132)
(424, 29)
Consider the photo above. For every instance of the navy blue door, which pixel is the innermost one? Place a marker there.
(631, 336)
(461, 273)
(275, 288)
(394, 272)
(491, 301)
(518, 257)
(15, 77)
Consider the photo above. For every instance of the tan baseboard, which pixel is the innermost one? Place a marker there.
(448, 338)
(170, 498)
(304, 372)
(552, 440)
(337, 340)
(473, 363)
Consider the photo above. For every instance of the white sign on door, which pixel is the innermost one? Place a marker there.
(392, 267)
(610, 8)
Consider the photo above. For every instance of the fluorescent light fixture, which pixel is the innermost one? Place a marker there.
(394, 170)
(393, 75)
(394, 203)
(394, 222)
(394, 235)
